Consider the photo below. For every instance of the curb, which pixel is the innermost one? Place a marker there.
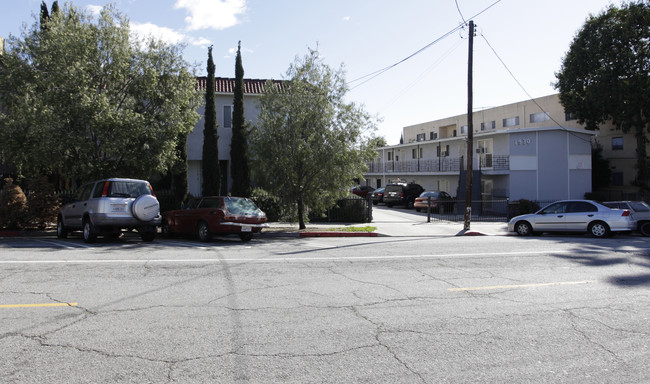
(474, 234)
(338, 234)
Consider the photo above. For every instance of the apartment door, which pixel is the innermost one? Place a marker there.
(484, 150)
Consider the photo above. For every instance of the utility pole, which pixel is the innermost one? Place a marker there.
(470, 130)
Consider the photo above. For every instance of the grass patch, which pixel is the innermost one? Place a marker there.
(367, 228)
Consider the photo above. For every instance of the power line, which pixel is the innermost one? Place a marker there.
(374, 74)
(525, 91)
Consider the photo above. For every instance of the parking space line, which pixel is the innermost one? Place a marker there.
(63, 244)
(487, 288)
(38, 305)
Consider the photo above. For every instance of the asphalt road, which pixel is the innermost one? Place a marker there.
(493, 309)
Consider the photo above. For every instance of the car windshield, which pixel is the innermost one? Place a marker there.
(128, 189)
(240, 206)
(427, 194)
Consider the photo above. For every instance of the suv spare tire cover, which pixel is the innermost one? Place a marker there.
(145, 208)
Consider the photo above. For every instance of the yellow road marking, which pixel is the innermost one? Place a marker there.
(38, 305)
(521, 286)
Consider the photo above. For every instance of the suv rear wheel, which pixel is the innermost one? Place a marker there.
(89, 231)
(61, 230)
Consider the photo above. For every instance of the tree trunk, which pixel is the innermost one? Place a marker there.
(641, 157)
(301, 212)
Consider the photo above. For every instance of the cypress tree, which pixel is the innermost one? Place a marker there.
(210, 163)
(45, 16)
(239, 167)
(55, 8)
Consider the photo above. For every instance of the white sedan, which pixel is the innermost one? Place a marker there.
(574, 216)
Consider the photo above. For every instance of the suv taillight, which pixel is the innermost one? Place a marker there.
(152, 192)
(105, 190)
(401, 195)
(626, 212)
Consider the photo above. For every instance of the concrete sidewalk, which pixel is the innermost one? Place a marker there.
(396, 228)
(395, 222)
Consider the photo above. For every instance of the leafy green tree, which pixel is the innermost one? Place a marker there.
(377, 142)
(310, 143)
(83, 98)
(239, 167)
(210, 163)
(179, 172)
(601, 174)
(604, 76)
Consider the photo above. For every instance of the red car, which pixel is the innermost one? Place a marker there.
(215, 215)
(362, 190)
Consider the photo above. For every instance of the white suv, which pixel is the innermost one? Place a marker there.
(108, 206)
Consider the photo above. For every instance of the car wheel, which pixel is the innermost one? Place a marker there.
(644, 228)
(166, 232)
(203, 232)
(61, 230)
(417, 209)
(389, 205)
(245, 236)
(523, 228)
(409, 204)
(375, 203)
(89, 231)
(147, 236)
(599, 229)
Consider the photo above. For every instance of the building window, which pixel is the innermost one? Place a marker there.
(227, 116)
(617, 143)
(433, 135)
(511, 121)
(539, 117)
(444, 151)
(463, 130)
(617, 179)
(421, 137)
(488, 125)
(570, 116)
(390, 155)
(416, 153)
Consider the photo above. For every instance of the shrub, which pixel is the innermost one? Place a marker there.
(43, 203)
(352, 209)
(13, 205)
(268, 203)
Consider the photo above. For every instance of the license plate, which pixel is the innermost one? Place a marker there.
(246, 228)
(118, 208)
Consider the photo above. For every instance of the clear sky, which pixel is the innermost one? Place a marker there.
(530, 37)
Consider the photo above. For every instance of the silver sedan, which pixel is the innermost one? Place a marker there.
(574, 216)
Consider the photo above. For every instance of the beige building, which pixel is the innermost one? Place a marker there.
(530, 149)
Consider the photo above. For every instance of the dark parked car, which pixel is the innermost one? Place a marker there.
(216, 215)
(108, 206)
(438, 199)
(362, 190)
(640, 212)
(378, 195)
(402, 194)
(574, 216)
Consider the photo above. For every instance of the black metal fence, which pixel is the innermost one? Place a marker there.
(482, 210)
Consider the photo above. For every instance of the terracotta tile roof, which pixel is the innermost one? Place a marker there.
(227, 85)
